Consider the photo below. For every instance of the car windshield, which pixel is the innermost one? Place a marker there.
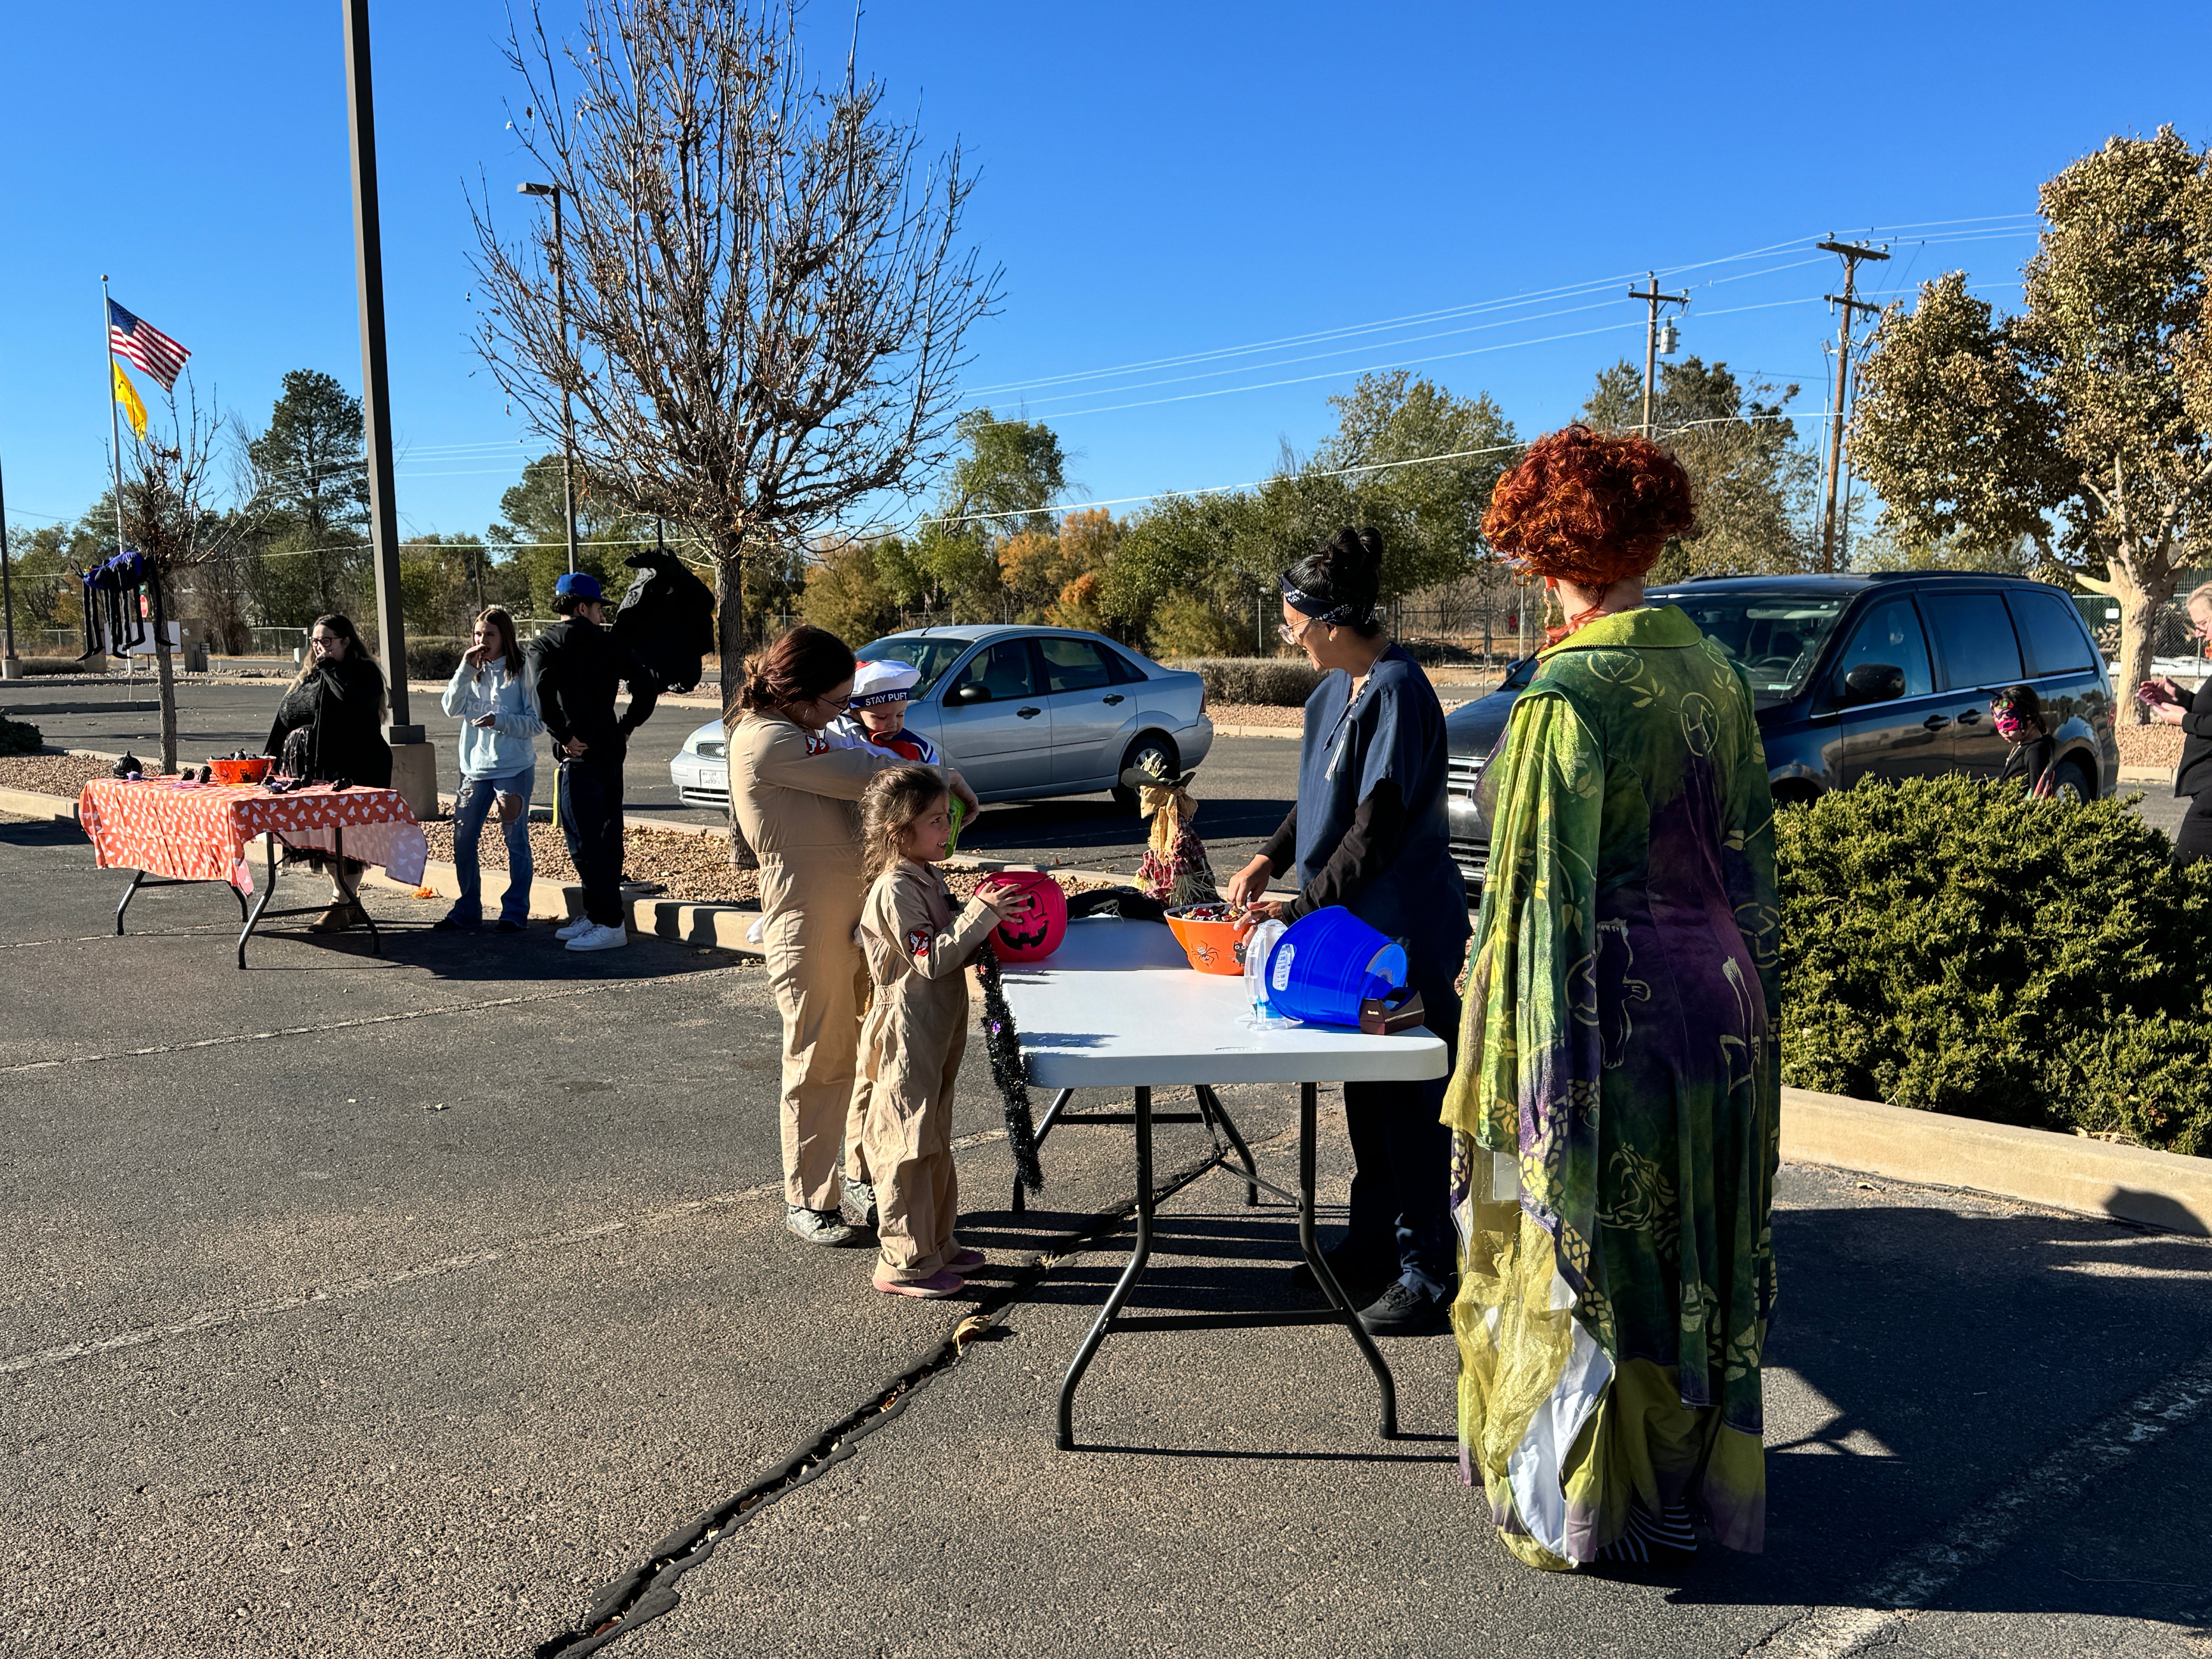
(1776, 636)
(931, 656)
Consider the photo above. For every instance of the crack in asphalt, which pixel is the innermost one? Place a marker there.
(649, 1590)
(1906, 1585)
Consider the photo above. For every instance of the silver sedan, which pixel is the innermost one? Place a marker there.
(1023, 712)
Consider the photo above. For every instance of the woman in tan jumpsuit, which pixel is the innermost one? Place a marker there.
(798, 803)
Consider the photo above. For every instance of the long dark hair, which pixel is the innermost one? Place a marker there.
(370, 669)
(799, 665)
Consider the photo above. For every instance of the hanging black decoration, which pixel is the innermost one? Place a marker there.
(1004, 1045)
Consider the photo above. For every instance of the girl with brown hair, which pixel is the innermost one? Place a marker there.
(492, 698)
(796, 800)
(1616, 1102)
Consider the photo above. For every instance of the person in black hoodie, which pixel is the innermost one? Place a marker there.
(576, 669)
(329, 726)
(2018, 715)
(2169, 705)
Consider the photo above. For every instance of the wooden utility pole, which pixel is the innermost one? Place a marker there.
(1852, 252)
(1654, 299)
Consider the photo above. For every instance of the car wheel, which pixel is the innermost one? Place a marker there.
(2071, 783)
(1154, 753)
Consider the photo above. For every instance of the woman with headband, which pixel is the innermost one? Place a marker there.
(1368, 833)
(1616, 1105)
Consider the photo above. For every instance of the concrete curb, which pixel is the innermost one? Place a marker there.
(2147, 774)
(2067, 1172)
(28, 803)
(1293, 732)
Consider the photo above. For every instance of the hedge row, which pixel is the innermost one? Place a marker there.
(434, 657)
(1274, 681)
(1959, 948)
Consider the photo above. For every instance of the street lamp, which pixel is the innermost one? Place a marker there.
(567, 418)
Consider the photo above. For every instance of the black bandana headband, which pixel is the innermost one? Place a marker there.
(1356, 616)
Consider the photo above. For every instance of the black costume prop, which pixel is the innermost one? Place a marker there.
(667, 622)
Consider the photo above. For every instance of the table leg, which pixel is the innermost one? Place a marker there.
(1130, 1275)
(268, 892)
(1309, 1116)
(137, 877)
(375, 940)
(1210, 1103)
(1043, 1128)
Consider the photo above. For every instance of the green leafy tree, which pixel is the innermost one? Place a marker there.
(45, 562)
(1002, 488)
(844, 592)
(2082, 425)
(1753, 483)
(532, 534)
(308, 503)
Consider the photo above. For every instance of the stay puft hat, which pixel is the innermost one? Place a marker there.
(580, 585)
(891, 681)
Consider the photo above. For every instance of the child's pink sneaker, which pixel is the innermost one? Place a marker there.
(966, 1262)
(941, 1284)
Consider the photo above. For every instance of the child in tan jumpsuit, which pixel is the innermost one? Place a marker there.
(917, 1028)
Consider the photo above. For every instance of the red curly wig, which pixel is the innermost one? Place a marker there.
(1589, 507)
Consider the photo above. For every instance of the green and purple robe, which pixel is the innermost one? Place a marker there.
(1616, 1103)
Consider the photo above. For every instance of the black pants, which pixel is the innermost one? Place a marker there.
(1401, 1159)
(592, 821)
(2193, 840)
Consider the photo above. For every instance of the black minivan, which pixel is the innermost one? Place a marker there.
(1884, 675)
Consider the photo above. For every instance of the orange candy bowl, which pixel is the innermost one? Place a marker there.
(1210, 945)
(241, 771)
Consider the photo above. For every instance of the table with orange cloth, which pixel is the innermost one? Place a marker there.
(166, 832)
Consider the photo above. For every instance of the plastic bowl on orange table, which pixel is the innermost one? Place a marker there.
(1210, 938)
(241, 771)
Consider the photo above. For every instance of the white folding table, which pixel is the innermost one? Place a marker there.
(1118, 1005)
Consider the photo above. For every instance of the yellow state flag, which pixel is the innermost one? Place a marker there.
(127, 395)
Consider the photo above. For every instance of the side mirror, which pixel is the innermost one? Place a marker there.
(973, 692)
(1873, 682)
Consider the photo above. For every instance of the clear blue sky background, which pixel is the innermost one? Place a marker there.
(1158, 181)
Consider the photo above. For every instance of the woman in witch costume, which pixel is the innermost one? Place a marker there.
(1615, 1107)
(329, 726)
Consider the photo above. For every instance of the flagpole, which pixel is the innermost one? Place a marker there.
(114, 421)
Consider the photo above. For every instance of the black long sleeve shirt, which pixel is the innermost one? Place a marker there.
(2193, 776)
(576, 669)
(1378, 826)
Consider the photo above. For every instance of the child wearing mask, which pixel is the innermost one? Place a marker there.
(917, 1027)
(2018, 713)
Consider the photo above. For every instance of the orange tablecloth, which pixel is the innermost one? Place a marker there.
(200, 833)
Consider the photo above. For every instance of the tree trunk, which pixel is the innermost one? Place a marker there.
(164, 676)
(2143, 593)
(730, 645)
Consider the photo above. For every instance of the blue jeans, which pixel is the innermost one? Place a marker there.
(472, 805)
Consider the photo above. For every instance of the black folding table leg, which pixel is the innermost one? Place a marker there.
(1043, 1128)
(1127, 1282)
(268, 892)
(1210, 1103)
(1309, 1115)
(137, 877)
(338, 847)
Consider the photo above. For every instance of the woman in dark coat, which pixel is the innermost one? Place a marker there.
(330, 726)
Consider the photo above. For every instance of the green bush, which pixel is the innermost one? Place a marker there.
(1275, 682)
(20, 737)
(1960, 948)
(432, 657)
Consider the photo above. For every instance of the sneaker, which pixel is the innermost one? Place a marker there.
(935, 1288)
(600, 939)
(1404, 1310)
(1360, 1272)
(817, 1226)
(966, 1262)
(574, 928)
(454, 924)
(859, 1204)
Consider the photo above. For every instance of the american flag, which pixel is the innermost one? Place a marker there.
(145, 345)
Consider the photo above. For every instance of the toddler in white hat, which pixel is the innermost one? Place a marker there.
(877, 713)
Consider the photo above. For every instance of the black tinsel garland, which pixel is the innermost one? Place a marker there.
(1004, 1045)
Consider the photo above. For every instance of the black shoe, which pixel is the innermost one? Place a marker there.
(1403, 1311)
(1361, 1273)
(503, 925)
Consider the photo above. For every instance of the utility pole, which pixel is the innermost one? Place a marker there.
(1654, 299)
(11, 667)
(567, 414)
(1852, 252)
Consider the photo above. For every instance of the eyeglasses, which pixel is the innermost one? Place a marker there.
(1290, 635)
(835, 705)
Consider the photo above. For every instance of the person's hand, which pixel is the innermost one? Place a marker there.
(963, 794)
(2166, 686)
(1267, 910)
(1248, 884)
(1007, 903)
(2166, 714)
(574, 747)
(484, 722)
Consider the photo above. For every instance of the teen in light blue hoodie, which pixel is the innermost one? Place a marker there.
(491, 698)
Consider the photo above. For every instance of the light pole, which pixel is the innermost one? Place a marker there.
(567, 418)
(10, 668)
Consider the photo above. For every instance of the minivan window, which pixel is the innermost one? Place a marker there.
(1776, 636)
(931, 656)
(1890, 634)
(1974, 637)
(2051, 628)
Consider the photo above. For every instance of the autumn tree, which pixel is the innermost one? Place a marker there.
(1001, 489)
(2082, 424)
(767, 286)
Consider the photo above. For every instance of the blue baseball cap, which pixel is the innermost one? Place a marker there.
(580, 585)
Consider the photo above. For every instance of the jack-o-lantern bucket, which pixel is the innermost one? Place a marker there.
(1036, 936)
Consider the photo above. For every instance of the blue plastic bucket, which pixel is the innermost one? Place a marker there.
(1327, 964)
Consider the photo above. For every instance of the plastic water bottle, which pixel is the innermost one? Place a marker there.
(1258, 944)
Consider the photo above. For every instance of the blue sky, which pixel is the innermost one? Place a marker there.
(1160, 182)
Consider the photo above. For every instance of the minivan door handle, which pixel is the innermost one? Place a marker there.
(1115, 698)
(1970, 716)
(1028, 713)
(1935, 722)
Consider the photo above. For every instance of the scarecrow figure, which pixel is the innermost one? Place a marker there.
(1174, 871)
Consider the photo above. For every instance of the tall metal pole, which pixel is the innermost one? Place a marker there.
(10, 667)
(376, 395)
(1654, 299)
(567, 412)
(1852, 253)
(114, 420)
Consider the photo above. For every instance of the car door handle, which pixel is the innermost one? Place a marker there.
(1028, 713)
(1117, 697)
(1970, 717)
(1935, 722)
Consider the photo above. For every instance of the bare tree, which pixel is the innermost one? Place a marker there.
(765, 293)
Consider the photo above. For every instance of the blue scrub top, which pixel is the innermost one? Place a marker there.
(1394, 730)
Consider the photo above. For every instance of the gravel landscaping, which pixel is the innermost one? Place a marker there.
(53, 773)
(2150, 745)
